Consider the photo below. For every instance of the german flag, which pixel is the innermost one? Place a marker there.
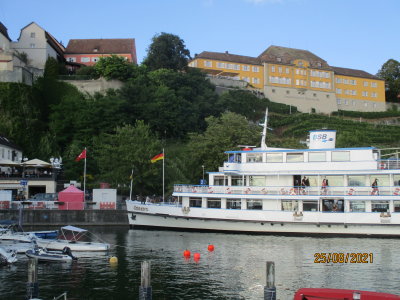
(157, 157)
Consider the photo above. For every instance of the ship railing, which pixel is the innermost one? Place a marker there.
(289, 190)
(388, 164)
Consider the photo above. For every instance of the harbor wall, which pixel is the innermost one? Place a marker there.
(68, 217)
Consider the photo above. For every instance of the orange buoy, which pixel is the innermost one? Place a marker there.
(196, 256)
(186, 253)
(210, 248)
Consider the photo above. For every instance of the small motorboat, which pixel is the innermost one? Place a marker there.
(7, 256)
(77, 239)
(43, 254)
(340, 294)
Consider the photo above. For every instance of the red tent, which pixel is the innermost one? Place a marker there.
(72, 198)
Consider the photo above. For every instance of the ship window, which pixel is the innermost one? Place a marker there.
(380, 206)
(334, 180)
(383, 180)
(396, 205)
(340, 155)
(219, 180)
(396, 179)
(255, 157)
(332, 205)
(257, 180)
(317, 156)
(195, 202)
(356, 180)
(295, 157)
(274, 157)
(214, 203)
(233, 204)
(254, 204)
(357, 206)
(290, 205)
(310, 206)
(237, 180)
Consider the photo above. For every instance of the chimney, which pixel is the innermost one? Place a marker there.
(226, 52)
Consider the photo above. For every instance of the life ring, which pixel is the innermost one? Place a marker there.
(247, 190)
(228, 191)
(396, 192)
(178, 189)
(350, 192)
(194, 190)
(382, 166)
(210, 190)
(292, 191)
(283, 191)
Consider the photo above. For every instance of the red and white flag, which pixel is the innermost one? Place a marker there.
(81, 156)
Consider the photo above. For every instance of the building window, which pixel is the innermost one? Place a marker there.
(354, 103)
(279, 59)
(338, 101)
(32, 45)
(338, 91)
(280, 69)
(247, 79)
(297, 71)
(71, 59)
(256, 80)
(221, 65)
(33, 35)
(236, 67)
(338, 80)
(297, 82)
(374, 95)
(208, 63)
(287, 70)
(373, 84)
(272, 68)
(85, 59)
(346, 102)
(365, 94)
(246, 68)
(229, 66)
(365, 83)
(256, 69)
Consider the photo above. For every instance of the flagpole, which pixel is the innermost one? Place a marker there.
(163, 167)
(130, 194)
(84, 178)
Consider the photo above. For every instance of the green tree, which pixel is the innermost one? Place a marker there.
(130, 147)
(222, 134)
(244, 103)
(390, 72)
(167, 51)
(114, 67)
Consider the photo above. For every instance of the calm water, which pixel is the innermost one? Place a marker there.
(235, 270)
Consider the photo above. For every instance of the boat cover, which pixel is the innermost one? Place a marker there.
(73, 228)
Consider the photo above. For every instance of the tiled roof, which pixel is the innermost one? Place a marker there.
(284, 55)
(101, 46)
(229, 57)
(354, 73)
(6, 142)
(3, 30)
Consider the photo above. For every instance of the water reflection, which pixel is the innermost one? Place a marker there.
(235, 270)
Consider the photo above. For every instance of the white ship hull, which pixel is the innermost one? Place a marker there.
(263, 222)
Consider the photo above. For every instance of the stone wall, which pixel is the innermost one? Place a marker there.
(70, 217)
(92, 86)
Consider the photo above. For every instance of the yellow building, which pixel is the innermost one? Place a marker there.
(299, 78)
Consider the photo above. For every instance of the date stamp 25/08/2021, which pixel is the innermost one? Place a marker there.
(344, 258)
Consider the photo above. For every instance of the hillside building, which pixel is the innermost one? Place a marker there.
(299, 78)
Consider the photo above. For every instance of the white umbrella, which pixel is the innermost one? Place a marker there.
(37, 163)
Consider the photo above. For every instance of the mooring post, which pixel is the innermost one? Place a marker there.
(32, 287)
(145, 292)
(270, 289)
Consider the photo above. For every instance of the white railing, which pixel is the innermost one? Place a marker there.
(289, 190)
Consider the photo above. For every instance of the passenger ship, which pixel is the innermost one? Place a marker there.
(259, 190)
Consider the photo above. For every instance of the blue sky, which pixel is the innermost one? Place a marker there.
(358, 34)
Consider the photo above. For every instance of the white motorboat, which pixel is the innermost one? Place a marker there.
(76, 239)
(8, 232)
(7, 256)
(51, 256)
(322, 190)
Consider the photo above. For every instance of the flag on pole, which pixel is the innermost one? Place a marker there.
(157, 157)
(81, 156)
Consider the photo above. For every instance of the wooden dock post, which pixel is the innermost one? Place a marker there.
(32, 287)
(270, 289)
(145, 292)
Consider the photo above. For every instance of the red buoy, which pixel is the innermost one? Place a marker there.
(210, 248)
(186, 253)
(196, 256)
